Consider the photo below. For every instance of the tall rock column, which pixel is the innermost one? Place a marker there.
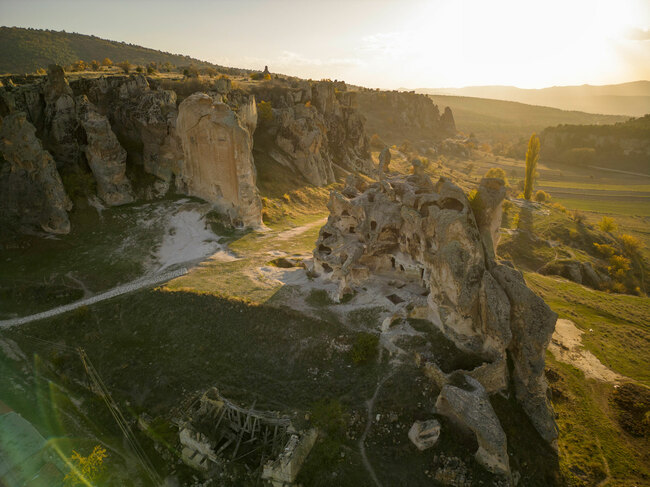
(218, 165)
(106, 157)
(31, 191)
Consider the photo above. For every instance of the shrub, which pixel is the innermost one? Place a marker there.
(631, 245)
(125, 66)
(139, 69)
(497, 172)
(559, 207)
(507, 206)
(264, 111)
(191, 72)
(542, 196)
(475, 202)
(86, 470)
(618, 267)
(605, 250)
(328, 416)
(107, 62)
(364, 348)
(94, 65)
(578, 216)
(78, 65)
(267, 77)
(608, 224)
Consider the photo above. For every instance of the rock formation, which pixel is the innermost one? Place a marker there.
(105, 155)
(218, 165)
(424, 434)
(398, 115)
(31, 191)
(469, 405)
(427, 234)
(316, 130)
(61, 123)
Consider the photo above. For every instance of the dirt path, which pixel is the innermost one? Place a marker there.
(566, 346)
(294, 232)
(116, 291)
(362, 441)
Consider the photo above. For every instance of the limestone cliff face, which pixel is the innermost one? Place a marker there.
(397, 116)
(218, 163)
(104, 154)
(31, 191)
(427, 234)
(316, 130)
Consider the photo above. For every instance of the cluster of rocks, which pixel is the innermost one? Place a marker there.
(202, 145)
(399, 115)
(416, 231)
(576, 271)
(315, 130)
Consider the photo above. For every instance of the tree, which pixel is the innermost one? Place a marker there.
(607, 224)
(532, 154)
(107, 62)
(95, 65)
(125, 66)
(86, 470)
(497, 172)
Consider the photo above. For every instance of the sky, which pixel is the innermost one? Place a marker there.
(377, 43)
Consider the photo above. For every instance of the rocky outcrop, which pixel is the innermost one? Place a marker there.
(316, 130)
(397, 116)
(468, 405)
(576, 271)
(427, 234)
(488, 211)
(31, 191)
(60, 124)
(218, 162)
(105, 155)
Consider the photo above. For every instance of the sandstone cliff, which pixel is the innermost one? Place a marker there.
(408, 229)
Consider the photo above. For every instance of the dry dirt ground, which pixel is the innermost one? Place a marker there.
(566, 346)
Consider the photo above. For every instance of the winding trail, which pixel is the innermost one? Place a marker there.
(111, 293)
(362, 447)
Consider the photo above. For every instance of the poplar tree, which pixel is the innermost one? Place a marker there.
(532, 154)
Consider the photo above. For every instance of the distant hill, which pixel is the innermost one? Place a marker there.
(26, 50)
(506, 121)
(623, 146)
(632, 99)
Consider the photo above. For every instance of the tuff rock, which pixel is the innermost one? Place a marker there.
(105, 155)
(218, 163)
(427, 234)
(31, 191)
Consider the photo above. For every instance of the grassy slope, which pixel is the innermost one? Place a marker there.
(26, 50)
(497, 119)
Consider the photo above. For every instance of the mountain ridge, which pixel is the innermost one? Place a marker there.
(630, 98)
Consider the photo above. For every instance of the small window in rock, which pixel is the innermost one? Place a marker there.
(401, 267)
(345, 213)
(373, 225)
(392, 261)
(324, 249)
(371, 198)
(351, 230)
(326, 235)
(395, 299)
(327, 268)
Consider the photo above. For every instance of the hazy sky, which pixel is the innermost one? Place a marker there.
(387, 44)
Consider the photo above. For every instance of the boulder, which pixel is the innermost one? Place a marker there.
(31, 191)
(105, 155)
(384, 161)
(424, 434)
(468, 405)
(218, 161)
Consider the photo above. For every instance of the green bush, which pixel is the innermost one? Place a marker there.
(264, 111)
(329, 417)
(364, 348)
(542, 196)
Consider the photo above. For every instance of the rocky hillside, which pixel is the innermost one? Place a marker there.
(193, 137)
(26, 50)
(405, 116)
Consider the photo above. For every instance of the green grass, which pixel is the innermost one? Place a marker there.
(591, 442)
(620, 323)
(637, 188)
(606, 205)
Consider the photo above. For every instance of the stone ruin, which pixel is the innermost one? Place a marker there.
(219, 431)
(434, 252)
